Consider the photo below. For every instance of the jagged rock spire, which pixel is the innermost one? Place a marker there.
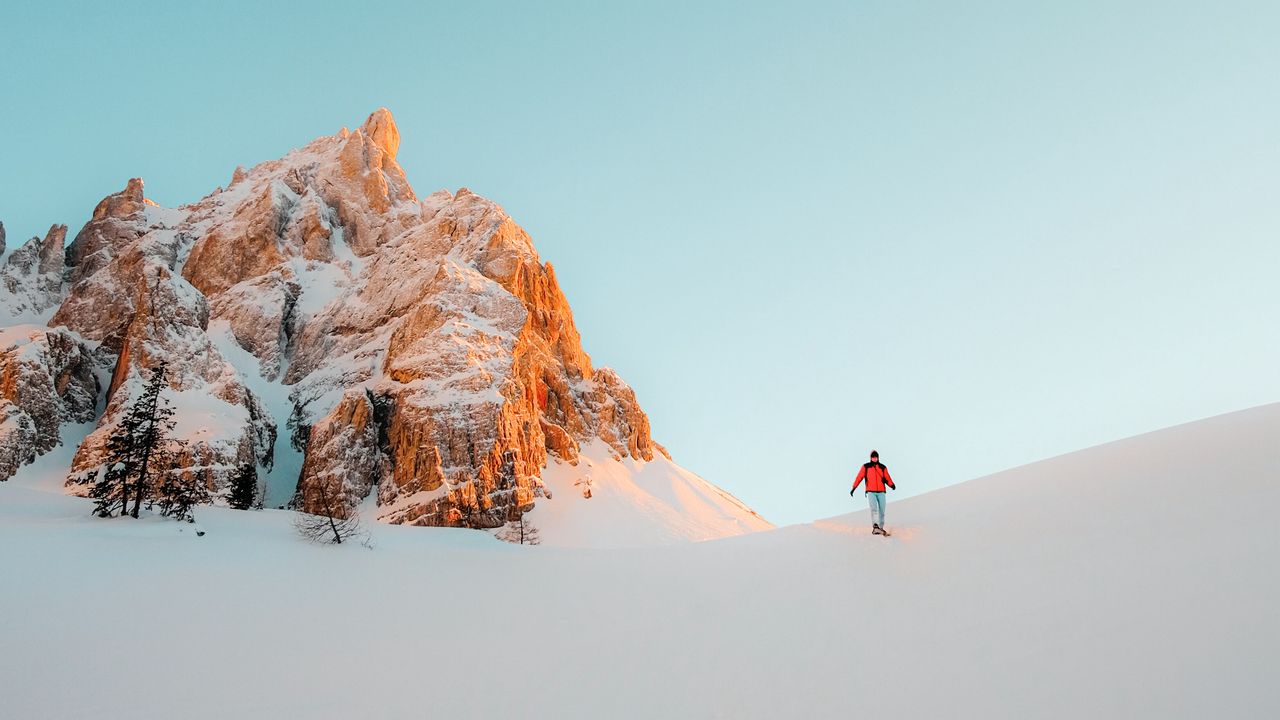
(381, 128)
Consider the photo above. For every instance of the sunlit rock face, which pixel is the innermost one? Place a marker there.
(127, 297)
(482, 373)
(432, 361)
(470, 363)
(47, 378)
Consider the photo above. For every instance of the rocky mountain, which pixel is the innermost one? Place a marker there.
(349, 338)
(47, 379)
(31, 277)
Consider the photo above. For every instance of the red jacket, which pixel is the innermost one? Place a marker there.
(876, 475)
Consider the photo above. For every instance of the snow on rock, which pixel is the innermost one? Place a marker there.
(31, 283)
(127, 296)
(343, 453)
(47, 378)
(221, 420)
(116, 224)
(463, 335)
(108, 260)
(260, 312)
(427, 349)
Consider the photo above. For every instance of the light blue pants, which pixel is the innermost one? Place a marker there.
(876, 501)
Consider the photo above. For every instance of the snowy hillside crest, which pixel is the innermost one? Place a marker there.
(322, 323)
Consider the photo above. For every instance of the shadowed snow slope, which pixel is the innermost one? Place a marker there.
(1135, 579)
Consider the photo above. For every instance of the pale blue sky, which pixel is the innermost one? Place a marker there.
(971, 235)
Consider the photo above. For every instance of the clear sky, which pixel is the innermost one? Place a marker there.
(971, 235)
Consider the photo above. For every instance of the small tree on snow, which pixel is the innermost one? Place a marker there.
(519, 532)
(107, 490)
(243, 493)
(111, 485)
(329, 520)
(181, 491)
(138, 450)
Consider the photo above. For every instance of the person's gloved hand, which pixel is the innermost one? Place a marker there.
(892, 486)
(850, 492)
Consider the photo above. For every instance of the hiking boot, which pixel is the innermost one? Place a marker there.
(877, 530)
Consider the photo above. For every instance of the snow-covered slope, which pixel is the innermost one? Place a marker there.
(605, 501)
(1135, 579)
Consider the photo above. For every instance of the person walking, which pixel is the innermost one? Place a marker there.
(877, 476)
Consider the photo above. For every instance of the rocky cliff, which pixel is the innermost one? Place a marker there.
(413, 350)
(47, 379)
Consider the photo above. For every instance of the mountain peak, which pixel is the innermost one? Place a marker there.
(320, 323)
(121, 204)
(381, 129)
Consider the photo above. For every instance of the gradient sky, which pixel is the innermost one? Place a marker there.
(971, 235)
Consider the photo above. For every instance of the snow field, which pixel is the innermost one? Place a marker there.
(1134, 579)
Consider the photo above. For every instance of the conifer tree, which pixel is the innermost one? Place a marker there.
(181, 491)
(112, 484)
(243, 493)
(153, 420)
(138, 451)
(105, 490)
